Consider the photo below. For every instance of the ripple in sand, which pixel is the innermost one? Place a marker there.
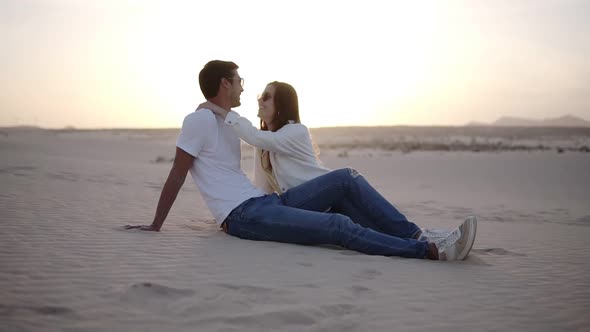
(67, 176)
(153, 185)
(368, 274)
(141, 292)
(247, 289)
(300, 316)
(20, 310)
(358, 290)
(306, 264)
(18, 170)
(161, 159)
(585, 220)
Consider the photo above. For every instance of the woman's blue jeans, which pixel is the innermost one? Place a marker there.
(359, 217)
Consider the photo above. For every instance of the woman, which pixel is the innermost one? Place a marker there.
(285, 158)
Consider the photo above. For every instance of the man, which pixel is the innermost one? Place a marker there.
(210, 150)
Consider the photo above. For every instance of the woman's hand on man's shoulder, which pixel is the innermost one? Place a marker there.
(214, 108)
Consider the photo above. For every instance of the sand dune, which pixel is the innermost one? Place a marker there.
(67, 264)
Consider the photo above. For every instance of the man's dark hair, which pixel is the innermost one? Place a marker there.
(211, 75)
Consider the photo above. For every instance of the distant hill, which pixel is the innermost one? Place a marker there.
(563, 121)
(21, 128)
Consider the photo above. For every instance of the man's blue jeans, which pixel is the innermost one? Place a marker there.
(360, 218)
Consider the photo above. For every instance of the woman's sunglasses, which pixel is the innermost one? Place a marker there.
(265, 96)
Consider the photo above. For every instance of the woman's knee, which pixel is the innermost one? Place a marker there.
(353, 172)
(347, 173)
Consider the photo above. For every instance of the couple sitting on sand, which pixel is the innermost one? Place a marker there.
(296, 199)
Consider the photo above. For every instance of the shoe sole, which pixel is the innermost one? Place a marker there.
(471, 223)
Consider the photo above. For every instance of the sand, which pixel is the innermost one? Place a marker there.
(67, 265)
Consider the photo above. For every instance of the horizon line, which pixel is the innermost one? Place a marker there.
(468, 125)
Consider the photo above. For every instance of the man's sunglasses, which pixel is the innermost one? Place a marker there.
(240, 78)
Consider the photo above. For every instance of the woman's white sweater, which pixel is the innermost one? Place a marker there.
(292, 155)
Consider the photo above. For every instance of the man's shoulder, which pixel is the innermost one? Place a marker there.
(200, 118)
(203, 114)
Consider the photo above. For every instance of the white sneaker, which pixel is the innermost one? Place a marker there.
(433, 235)
(458, 244)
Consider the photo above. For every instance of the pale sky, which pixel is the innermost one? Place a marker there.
(132, 64)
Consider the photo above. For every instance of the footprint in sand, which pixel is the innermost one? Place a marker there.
(496, 251)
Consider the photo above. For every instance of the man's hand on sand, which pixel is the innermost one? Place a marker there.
(148, 228)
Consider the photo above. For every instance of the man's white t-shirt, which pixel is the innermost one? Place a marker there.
(216, 169)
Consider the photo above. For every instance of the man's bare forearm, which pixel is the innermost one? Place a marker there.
(167, 197)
